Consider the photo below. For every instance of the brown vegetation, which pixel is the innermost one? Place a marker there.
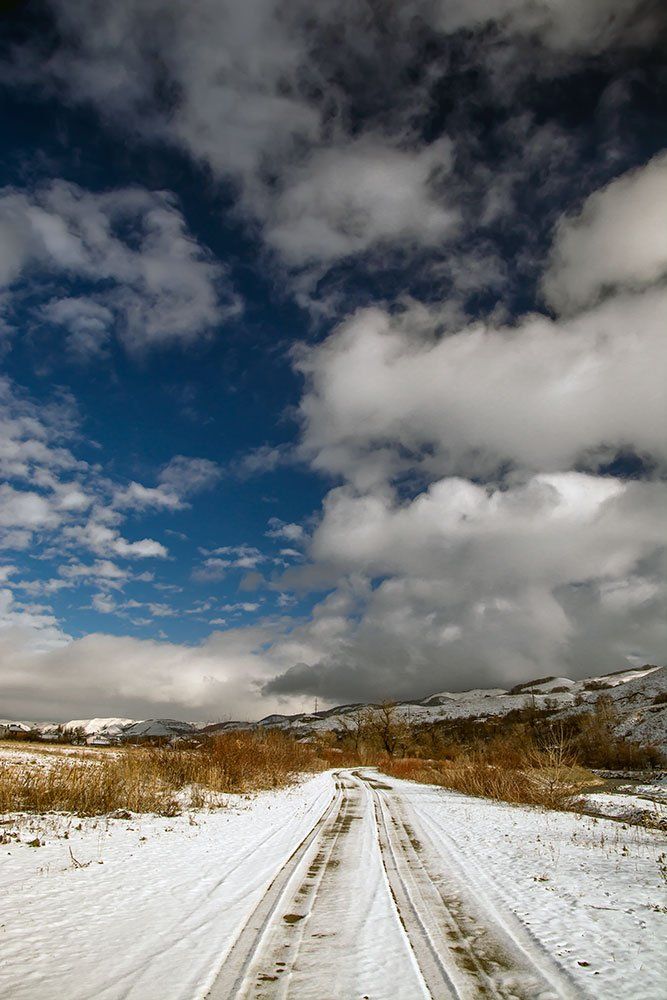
(511, 769)
(589, 738)
(526, 756)
(595, 743)
(154, 780)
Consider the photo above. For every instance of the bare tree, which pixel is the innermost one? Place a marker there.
(353, 724)
(387, 726)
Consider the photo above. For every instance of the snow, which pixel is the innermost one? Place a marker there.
(623, 676)
(632, 690)
(641, 718)
(44, 755)
(157, 904)
(94, 726)
(589, 891)
(345, 940)
(474, 693)
(547, 686)
(158, 727)
(147, 908)
(17, 727)
(648, 806)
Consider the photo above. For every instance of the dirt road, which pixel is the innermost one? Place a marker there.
(371, 906)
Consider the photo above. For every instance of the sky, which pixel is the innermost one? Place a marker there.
(333, 347)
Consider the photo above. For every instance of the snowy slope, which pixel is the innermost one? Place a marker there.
(92, 727)
(632, 691)
(641, 717)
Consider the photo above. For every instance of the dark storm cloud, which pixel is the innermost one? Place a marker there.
(365, 134)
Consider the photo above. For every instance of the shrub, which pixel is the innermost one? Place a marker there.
(511, 768)
(596, 743)
(519, 688)
(537, 783)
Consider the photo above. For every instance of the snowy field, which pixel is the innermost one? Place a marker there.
(530, 903)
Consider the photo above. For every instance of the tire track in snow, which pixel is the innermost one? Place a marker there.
(462, 951)
(238, 974)
(451, 947)
(191, 922)
(416, 907)
(469, 872)
(328, 929)
(270, 972)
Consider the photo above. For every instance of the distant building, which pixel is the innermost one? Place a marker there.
(14, 730)
(98, 740)
(156, 731)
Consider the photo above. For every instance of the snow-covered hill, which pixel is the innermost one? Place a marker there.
(639, 696)
(95, 727)
(632, 691)
(641, 704)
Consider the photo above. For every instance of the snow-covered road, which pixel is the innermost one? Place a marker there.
(347, 886)
(370, 907)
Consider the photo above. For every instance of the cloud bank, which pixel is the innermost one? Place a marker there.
(485, 405)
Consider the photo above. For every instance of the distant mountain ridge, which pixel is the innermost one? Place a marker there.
(639, 696)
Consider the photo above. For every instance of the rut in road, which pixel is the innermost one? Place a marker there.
(326, 928)
(233, 978)
(456, 941)
(365, 907)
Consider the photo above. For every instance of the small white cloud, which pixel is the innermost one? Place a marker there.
(104, 603)
(359, 195)
(241, 606)
(227, 557)
(105, 541)
(186, 476)
(88, 325)
(134, 496)
(281, 529)
(262, 460)
(211, 571)
(26, 509)
(618, 239)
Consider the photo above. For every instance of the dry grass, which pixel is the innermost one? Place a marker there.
(47, 749)
(153, 780)
(597, 744)
(507, 769)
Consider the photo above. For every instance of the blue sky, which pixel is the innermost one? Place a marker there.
(331, 351)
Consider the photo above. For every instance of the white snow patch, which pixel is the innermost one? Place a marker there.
(158, 903)
(590, 891)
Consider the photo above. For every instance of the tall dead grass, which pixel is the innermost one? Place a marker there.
(154, 780)
(509, 769)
